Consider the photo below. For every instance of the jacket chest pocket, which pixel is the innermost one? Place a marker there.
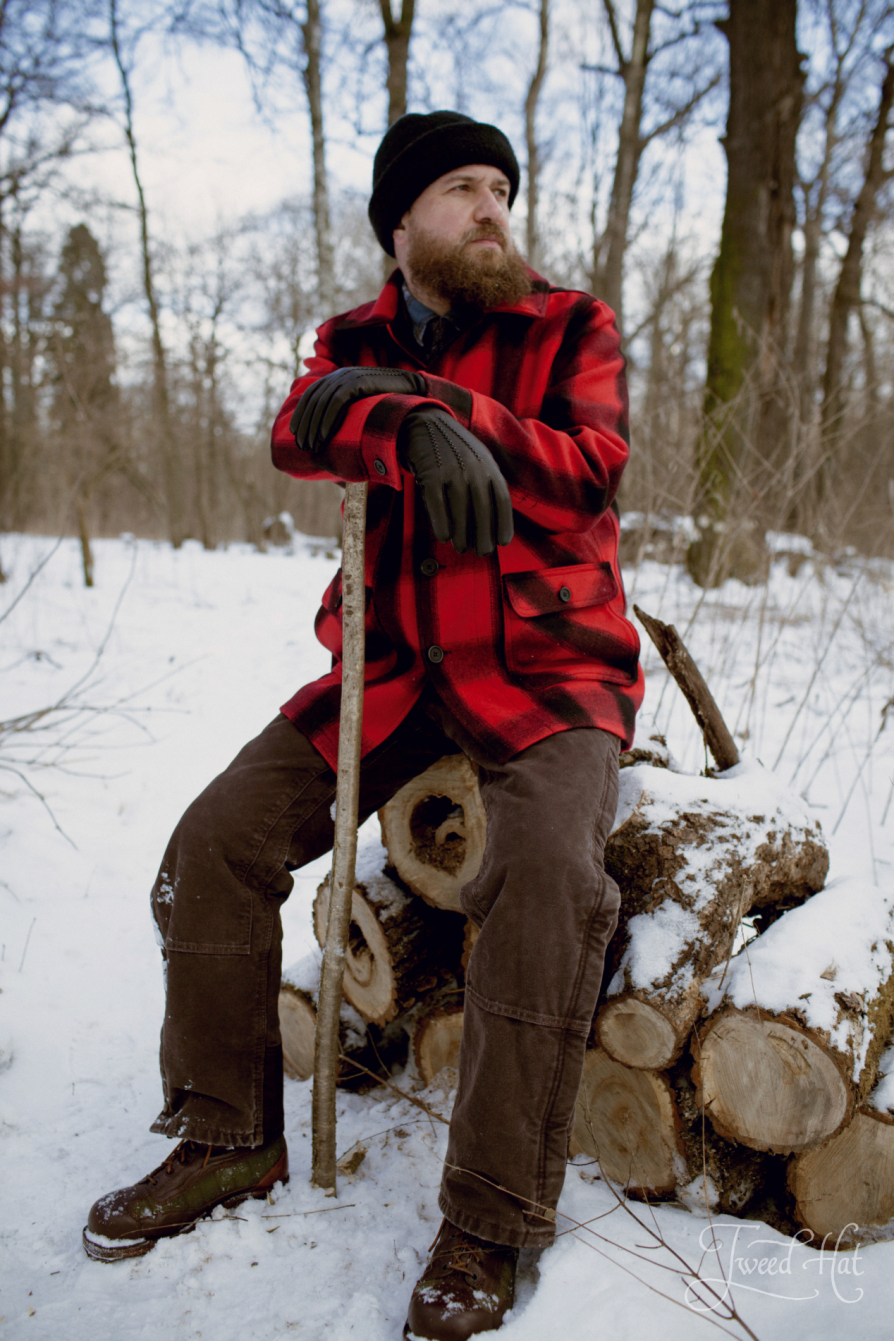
(559, 625)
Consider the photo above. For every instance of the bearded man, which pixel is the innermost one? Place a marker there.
(488, 411)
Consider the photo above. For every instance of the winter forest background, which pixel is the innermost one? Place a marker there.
(183, 192)
(146, 340)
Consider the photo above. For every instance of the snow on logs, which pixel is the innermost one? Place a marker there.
(798, 1024)
(692, 857)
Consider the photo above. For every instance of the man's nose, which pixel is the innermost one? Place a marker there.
(489, 208)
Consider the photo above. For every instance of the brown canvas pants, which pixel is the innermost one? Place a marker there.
(543, 903)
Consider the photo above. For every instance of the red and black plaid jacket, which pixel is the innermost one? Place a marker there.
(530, 640)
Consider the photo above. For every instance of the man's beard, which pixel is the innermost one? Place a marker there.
(466, 280)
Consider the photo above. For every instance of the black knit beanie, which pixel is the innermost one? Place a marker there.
(417, 150)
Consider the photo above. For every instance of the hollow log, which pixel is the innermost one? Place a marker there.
(436, 1039)
(626, 1119)
(692, 857)
(434, 829)
(399, 950)
(844, 1190)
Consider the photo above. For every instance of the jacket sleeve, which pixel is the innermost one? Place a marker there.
(365, 446)
(564, 465)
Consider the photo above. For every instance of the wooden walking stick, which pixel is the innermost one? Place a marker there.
(344, 853)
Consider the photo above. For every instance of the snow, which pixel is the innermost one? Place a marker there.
(742, 808)
(200, 653)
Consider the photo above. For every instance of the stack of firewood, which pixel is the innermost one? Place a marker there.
(728, 1073)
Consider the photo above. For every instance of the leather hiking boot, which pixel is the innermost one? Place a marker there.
(466, 1288)
(186, 1186)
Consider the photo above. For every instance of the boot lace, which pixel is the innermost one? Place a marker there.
(184, 1153)
(459, 1253)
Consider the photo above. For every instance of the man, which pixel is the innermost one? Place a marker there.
(488, 413)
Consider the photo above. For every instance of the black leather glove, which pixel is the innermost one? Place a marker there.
(321, 409)
(463, 488)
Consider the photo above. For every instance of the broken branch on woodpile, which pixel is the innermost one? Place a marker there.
(679, 662)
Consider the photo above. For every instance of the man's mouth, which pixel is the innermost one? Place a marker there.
(489, 239)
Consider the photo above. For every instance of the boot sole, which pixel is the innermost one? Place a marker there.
(108, 1252)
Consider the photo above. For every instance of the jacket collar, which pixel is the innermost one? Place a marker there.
(385, 308)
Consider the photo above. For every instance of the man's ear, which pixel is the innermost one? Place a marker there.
(400, 233)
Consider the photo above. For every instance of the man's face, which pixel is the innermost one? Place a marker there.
(454, 241)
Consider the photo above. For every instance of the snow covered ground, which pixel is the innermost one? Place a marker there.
(197, 651)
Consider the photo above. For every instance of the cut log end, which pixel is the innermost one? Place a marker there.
(625, 1119)
(844, 1191)
(637, 1034)
(436, 1042)
(369, 981)
(434, 829)
(297, 1024)
(765, 1083)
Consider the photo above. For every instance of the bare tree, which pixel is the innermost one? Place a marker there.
(163, 420)
(398, 32)
(311, 32)
(632, 65)
(847, 290)
(531, 143)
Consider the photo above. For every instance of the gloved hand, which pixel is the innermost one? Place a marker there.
(463, 488)
(321, 409)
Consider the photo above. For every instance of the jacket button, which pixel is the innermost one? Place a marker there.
(380, 466)
(436, 654)
(564, 594)
(429, 567)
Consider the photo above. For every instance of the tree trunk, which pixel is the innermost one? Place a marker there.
(608, 258)
(752, 276)
(847, 291)
(533, 243)
(312, 34)
(399, 951)
(434, 829)
(161, 406)
(692, 857)
(397, 42)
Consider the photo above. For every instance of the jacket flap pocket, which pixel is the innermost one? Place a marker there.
(550, 590)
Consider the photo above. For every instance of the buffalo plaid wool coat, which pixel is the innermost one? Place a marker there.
(530, 640)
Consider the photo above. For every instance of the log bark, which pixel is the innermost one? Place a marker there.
(435, 829)
(692, 857)
(399, 950)
(844, 1191)
(767, 1083)
(676, 657)
(626, 1119)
